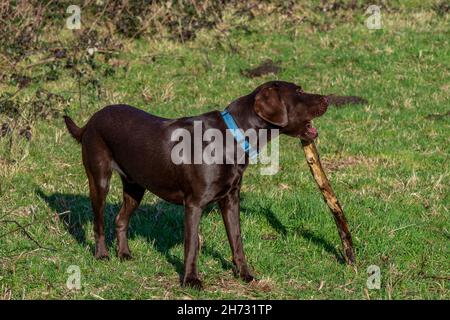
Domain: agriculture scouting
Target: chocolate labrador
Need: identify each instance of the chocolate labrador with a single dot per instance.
(138, 146)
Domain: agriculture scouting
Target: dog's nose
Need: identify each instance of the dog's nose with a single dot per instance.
(326, 101)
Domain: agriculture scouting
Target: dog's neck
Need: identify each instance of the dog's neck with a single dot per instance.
(245, 116)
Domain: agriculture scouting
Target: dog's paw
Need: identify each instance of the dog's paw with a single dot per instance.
(124, 256)
(195, 283)
(101, 253)
(349, 256)
(101, 256)
(247, 277)
(243, 273)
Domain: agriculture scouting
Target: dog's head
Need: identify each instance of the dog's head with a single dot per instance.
(287, 106)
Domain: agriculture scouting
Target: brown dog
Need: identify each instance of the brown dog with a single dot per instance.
(138, 146)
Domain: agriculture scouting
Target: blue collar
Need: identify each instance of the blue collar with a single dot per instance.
(238, 135)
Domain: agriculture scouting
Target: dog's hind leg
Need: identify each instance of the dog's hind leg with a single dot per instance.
(132, 196)
(97, 162)
(192, 215)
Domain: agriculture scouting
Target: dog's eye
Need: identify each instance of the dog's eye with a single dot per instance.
(299, 90)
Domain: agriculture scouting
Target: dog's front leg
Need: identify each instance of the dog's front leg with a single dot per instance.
(192, 217)
(230, 208)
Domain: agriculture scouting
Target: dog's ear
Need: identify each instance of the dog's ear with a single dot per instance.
(269, 106)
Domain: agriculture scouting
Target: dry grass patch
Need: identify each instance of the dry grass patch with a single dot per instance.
(338, 164)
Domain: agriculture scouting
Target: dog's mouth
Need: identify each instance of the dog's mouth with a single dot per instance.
(310, 132)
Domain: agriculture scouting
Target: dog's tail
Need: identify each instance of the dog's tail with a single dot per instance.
(74, 130)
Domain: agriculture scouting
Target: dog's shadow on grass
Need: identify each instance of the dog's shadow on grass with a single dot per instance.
(281, 229)
(160, 223)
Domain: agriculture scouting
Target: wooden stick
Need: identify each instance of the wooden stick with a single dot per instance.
(312, 157)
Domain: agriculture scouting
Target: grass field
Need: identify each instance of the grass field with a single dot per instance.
(388, 162)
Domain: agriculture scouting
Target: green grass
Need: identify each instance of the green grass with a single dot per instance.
(395, 195)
